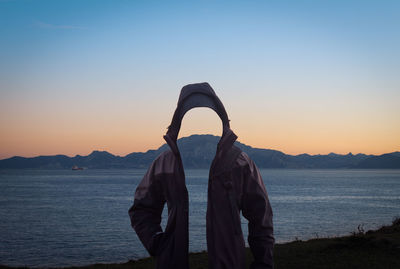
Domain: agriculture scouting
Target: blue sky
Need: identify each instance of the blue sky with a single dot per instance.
(283, 62)
(208, 35)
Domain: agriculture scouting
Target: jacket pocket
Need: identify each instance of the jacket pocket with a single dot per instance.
(155, 243)
(165, 254)
(162, 244)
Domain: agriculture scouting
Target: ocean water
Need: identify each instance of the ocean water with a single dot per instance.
(55, 218)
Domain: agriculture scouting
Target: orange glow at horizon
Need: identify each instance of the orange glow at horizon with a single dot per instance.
(123, 135)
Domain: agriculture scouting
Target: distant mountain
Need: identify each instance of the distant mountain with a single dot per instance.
(389, 161)
(97, 159)
(198, 151)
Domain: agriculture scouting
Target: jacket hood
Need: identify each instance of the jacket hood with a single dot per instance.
(198, 95)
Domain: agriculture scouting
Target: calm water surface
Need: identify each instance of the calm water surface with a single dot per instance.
(63, 218)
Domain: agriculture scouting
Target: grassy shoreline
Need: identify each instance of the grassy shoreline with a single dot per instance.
(372, 249)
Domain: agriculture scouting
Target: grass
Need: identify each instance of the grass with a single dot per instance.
(364, 250)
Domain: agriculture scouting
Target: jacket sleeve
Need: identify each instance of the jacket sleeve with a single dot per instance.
(257, 210)
(145, 213)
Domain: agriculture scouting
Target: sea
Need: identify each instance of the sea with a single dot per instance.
(58, 218)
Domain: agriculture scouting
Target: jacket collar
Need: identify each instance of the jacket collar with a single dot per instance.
(226, 141)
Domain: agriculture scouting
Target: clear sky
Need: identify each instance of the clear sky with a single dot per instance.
(296, 76)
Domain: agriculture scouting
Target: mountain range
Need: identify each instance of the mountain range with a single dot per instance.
(197, 151)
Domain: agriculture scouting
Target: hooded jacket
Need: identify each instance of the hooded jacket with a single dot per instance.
(235, 185)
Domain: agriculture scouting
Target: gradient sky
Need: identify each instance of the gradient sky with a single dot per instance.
(296, 76)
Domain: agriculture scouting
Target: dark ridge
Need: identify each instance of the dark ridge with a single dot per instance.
(198, 151)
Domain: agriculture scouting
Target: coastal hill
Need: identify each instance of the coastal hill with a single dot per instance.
(198, 151)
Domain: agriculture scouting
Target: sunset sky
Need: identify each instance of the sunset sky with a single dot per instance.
(297, 76)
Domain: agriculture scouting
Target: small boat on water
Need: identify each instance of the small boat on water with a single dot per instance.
(75, 167)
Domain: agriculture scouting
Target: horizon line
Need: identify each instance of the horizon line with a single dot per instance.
(97, 150)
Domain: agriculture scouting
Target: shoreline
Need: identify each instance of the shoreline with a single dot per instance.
(378, 248)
